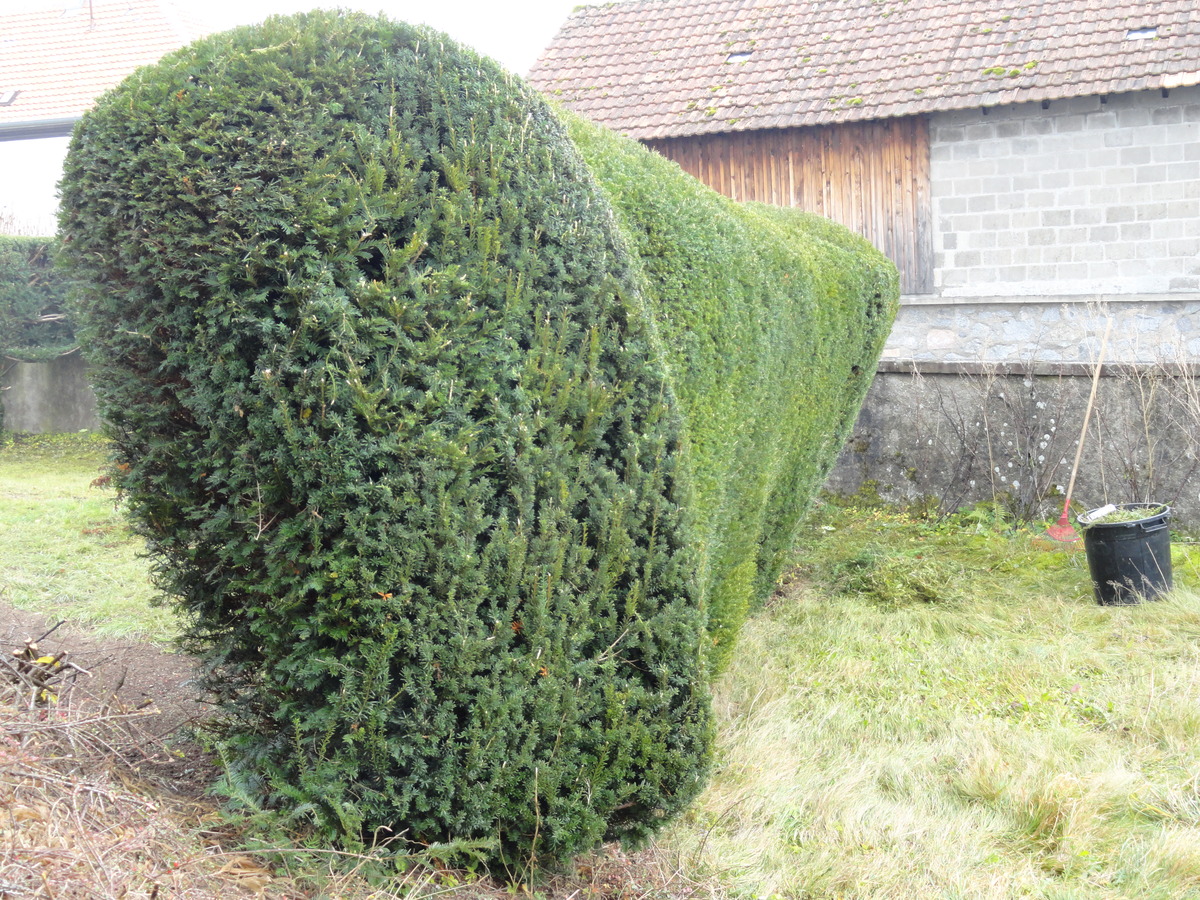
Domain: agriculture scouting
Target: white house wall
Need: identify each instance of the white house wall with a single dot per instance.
(1045, 220)
(29, 175)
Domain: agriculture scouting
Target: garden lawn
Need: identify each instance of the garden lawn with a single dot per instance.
(66, 550)
(944, 712)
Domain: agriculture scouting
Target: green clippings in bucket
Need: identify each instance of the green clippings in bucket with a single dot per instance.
(1128, 512)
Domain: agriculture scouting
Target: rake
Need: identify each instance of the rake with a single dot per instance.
(1062, 530)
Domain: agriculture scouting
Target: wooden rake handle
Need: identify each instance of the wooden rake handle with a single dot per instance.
(1087, 416)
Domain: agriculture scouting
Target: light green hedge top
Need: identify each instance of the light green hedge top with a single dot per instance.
(772, 321)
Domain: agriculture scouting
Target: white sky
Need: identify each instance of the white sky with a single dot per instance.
(512, 32)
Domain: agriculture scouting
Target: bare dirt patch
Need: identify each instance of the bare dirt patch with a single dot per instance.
(139, 674)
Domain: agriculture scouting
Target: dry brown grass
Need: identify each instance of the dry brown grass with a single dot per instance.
(84, 807)
(94, 807)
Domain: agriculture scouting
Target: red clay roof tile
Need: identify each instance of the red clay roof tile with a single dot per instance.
(60, 58)
(821, 61)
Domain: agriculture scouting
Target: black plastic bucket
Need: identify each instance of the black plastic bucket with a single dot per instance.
(1128, 561)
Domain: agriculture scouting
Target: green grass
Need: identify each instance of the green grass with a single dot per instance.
(67, 552)
(923, 711)
(944, 712)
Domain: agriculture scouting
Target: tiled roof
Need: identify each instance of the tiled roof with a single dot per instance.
(668, 68)
(59, 57)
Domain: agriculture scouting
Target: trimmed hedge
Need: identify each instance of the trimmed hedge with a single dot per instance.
(388, 412)
(772, 321)
(33, 300)
(396, 382)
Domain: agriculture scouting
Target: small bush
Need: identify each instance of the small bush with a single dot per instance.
(34, 325)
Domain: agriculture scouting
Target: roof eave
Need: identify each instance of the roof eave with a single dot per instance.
(37, 128)
(867, 113)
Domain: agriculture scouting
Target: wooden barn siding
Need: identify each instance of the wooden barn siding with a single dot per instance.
(872, 177)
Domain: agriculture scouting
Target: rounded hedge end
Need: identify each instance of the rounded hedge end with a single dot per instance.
(391, 418)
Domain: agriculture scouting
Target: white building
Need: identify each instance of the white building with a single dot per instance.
(56, 58)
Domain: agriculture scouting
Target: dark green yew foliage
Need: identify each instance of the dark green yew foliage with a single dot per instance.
(772, 322)
(395, 426)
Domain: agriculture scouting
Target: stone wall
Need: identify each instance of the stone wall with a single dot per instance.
(945, 440)
(47, 397)
(1147, 328)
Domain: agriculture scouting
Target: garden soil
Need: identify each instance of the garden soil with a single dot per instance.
(138, 675)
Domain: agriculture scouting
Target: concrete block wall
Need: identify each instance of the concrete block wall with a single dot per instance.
(1048, 220)
(1085, 197)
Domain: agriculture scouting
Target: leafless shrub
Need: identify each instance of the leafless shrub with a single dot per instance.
(978, 434)
(1007, 434)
